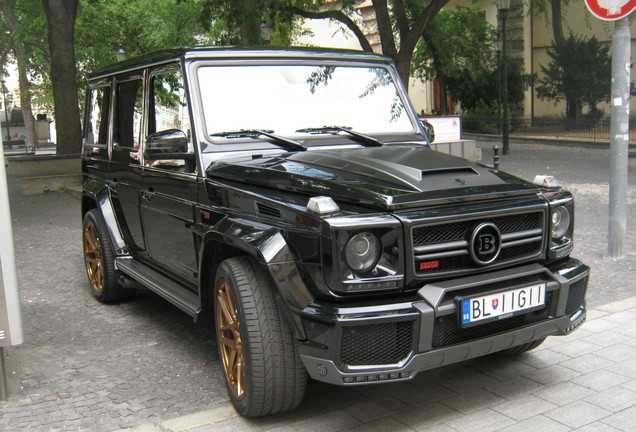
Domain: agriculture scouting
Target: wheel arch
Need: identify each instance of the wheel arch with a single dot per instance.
(269, 249)
(96, 195)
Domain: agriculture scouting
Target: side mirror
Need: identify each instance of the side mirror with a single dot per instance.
(167, 144)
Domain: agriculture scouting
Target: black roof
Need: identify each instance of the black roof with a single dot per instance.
(167, 55)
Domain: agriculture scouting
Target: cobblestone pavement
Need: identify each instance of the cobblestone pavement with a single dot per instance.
(145, 364)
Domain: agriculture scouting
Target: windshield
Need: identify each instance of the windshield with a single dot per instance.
(286, 98)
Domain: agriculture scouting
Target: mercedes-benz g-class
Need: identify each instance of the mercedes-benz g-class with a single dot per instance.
(292, 195)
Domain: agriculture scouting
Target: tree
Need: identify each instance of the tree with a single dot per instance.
(456, 47)
(136, 26)
(61, 15)
(18, 32)
(577, 73)
(409, 18)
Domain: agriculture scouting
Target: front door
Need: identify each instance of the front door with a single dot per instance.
(170, 187)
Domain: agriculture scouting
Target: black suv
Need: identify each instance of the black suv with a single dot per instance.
(293, 192)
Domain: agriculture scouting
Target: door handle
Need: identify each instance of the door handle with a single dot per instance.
(148, 194)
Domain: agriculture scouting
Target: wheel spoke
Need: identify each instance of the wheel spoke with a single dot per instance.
(229, 336)
(93, 256)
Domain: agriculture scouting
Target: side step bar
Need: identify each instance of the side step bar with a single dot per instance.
(176, 294)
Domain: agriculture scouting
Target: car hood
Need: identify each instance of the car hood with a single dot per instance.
(389, 177)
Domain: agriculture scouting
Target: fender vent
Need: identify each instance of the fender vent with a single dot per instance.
(266, 210)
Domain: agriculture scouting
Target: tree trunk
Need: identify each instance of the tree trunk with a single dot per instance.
(249, 23)
(409, 35)
(60, 15)
(25, 86)
(25, 99)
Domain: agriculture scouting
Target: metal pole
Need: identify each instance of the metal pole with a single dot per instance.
(619, 137)
(506, 123)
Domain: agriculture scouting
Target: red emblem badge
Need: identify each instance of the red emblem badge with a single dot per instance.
(495, 303)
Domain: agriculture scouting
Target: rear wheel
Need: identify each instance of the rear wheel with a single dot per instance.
(99, 259)
(522, 348)
(263, 371)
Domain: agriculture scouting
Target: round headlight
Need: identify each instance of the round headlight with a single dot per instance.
(560, 222)
(362, 251)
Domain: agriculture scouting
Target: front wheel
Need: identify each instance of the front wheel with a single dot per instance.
(263, 371)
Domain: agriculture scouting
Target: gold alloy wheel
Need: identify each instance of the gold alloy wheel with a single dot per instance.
(229, 334)
(93, 257)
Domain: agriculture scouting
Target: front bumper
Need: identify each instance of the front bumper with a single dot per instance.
(384, 343)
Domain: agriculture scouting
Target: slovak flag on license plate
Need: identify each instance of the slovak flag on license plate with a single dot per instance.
(495, 304)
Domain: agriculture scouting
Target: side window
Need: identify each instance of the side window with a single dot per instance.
(96, 133)
(168, 110)
(128, 109)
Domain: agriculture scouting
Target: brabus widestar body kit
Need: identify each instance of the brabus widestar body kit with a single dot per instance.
(292, 195)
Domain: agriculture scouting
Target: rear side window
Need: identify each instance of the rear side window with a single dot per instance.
(129, 103)
(97, 126)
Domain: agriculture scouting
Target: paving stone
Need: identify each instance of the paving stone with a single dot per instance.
(524, 407)
(422, 394)
(564, 393)
(543, 358)
(377, 409)
(597, 427)
(515, 387)
(473, 401)
(537, 424)
(333, 421)
(428, 416)
(614, 399)
(587, 363)
(383, 425)
(577, 414)
(484, 421)
(624, 420)
(552, 375)
(600, 380)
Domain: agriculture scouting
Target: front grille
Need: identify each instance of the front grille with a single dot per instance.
(375, 344)
(448, 331)
(576, 296)
(440, 248)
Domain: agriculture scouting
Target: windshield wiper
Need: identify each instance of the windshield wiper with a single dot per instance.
(255, 133)
(363, 139)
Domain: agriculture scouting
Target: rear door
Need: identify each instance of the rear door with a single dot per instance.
(125, 167)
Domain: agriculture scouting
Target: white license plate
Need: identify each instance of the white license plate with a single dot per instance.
(500, 305)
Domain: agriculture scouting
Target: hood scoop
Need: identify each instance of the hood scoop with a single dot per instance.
(458, 171)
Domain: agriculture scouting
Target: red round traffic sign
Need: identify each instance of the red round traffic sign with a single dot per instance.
(610, 10)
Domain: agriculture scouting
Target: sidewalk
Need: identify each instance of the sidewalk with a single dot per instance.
(583, 382)
(143, 364)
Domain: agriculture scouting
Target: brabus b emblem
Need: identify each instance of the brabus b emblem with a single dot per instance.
(485, 243)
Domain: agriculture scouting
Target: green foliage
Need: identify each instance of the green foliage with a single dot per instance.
(578, 72)
(137, 26)
(458, 50)
(482, 89)
(459, 41)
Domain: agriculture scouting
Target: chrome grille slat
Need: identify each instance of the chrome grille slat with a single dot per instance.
(443, 247)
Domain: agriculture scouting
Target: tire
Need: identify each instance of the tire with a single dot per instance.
(263, 371)
(522, 348)
(99, 259)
